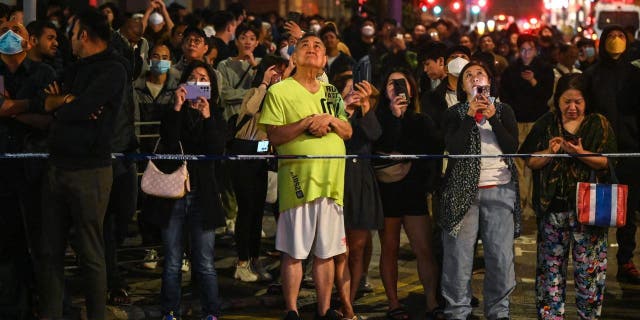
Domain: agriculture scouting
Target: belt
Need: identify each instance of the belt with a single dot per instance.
(488, 187)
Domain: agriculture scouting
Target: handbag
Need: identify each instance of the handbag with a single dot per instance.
(394, 171)
(166, 185)
(601, 204)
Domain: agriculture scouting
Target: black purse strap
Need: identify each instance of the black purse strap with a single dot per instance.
(612, 174)
(242, 77)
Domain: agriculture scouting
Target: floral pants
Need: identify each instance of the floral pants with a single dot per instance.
(557, 233)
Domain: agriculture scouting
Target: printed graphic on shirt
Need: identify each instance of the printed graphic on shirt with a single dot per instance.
(304, 180)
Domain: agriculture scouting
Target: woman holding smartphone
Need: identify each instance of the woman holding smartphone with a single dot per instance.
(191, 126)
(249, 177)
(404, 186)
(479, 196)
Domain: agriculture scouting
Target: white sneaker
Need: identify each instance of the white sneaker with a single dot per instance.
(258, 268)
(244, 272)
(186, 266)
(150, 259)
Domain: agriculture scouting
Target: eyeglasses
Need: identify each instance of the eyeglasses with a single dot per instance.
(194, 40)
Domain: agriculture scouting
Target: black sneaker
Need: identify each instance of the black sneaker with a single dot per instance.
(330, 315)
(291, 315)
(628, 273)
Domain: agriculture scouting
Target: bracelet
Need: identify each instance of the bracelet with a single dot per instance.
(64, 100)
(265, 84)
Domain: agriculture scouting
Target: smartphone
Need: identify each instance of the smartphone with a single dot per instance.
(1, 85)
(361, 73)
(194, 91)
(482, 90)
(263, 146)
(294, 16)
(400, 87)
(571, 138)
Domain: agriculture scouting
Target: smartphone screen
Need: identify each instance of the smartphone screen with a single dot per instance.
(263, 146)
(1, 85)
(400, 87)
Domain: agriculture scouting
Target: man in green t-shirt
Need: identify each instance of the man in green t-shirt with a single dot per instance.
(304, 116)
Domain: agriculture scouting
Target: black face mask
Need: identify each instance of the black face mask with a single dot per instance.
(546, 39)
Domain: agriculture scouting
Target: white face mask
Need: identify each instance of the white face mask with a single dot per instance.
(368, 31)
(315, 28)
(455, 66)
(209, 31)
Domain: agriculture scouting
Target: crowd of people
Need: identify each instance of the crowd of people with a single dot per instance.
(75, 84)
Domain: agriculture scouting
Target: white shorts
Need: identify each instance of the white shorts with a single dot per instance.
(317, 225)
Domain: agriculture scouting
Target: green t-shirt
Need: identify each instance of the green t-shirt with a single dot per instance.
(304, 180)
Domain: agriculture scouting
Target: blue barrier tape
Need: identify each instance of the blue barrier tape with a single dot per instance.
(146, 156)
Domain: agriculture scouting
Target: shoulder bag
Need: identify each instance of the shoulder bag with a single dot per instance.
(601, 204)
(166, 185)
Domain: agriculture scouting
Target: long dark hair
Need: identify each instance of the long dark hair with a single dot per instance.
(414, 99)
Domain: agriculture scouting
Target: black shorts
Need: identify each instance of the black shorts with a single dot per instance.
(406, 197)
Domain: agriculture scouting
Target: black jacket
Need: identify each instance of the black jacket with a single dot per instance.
(98, 83)
(612, 89)
(529, 103)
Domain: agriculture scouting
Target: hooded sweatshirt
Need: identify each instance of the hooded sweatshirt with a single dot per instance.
(611, 88)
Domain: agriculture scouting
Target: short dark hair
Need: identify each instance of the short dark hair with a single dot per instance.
(244, 28)
(567, 82)
(329, 27)
(36, 28)
(433, 51)
(95, 24)
(459, 48)
(191, 30)
(586, 42)
(527, 38)
(4, 11)
(237, 9)
(176, 26)
(221, 19)
(565, 47)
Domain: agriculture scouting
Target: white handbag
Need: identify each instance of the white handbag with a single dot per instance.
(166, 185)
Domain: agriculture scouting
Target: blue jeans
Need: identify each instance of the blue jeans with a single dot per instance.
(490, 216)
(188, 211)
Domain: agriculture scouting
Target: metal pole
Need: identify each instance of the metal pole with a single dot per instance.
(29, 8)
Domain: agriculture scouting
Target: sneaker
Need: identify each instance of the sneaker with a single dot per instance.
(210, 317)
(258, 268)
(150, 259)
(330, 315)
(628, 273)
(244, 272)
(169, 316)
(186, 266)
(291, 315)
(231, 226)
(365, 285)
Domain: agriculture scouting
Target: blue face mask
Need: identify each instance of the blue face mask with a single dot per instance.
(590, 51)
(160, 66)
(291, 49)
(11, 43)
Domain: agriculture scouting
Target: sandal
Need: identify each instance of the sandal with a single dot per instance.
(398, 313)
(119, 297)
(435, 314)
